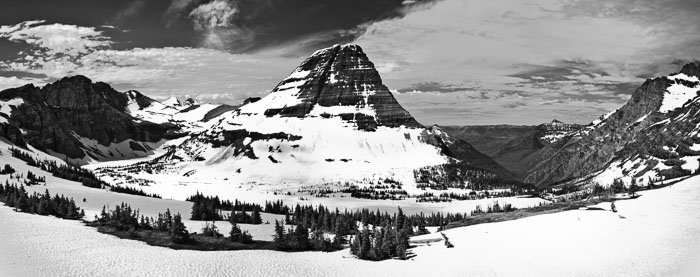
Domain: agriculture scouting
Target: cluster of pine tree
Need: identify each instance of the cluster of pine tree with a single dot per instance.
(236, 235)
(299, 239)
(495, 208)
(133, 191)
(376, 194)
(210, 208)
(33, 179)
(42, 204)
(462, 175)
(344, 223)
(277, 207)
(243, 216)
(390, 240)
(124, 218)
(210, 230)
(68, 172)
(7, 169)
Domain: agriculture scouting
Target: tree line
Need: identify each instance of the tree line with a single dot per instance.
(42, 204)
(133, 191)
(68, 171)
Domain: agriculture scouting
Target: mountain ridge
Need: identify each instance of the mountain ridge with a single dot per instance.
(604, 147)
(332, 112)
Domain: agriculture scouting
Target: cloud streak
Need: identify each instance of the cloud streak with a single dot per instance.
(56, 39)
(450, 61)
(572, 55)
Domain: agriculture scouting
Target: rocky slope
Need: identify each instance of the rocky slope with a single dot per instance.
(651, 137)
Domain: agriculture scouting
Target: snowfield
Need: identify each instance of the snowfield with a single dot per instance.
(6, 108)
(657, 234)
(678, 94)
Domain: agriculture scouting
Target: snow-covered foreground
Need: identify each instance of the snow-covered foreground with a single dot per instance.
(659, 236)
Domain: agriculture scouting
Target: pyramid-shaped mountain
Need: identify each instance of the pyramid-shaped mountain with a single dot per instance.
(330, 120)
(339, 81)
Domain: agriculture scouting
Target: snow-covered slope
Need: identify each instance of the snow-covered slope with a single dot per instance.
(683, 89)
(187, 114)
(6, 108)
(658, 236)
(331, 120)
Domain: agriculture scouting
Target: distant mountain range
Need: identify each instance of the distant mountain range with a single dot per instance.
(330, 120)
(333, 120)
(514, 147)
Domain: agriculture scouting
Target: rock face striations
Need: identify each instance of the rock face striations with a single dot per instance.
(73, 115)
(341, 82)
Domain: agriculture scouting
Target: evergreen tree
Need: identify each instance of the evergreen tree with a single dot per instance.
(401, 244)
(256, 216)
(355, 244)
(279, 234)
(178, 231)
(301, 237)
(365, 244)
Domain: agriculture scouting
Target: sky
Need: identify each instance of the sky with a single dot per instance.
(448, 62)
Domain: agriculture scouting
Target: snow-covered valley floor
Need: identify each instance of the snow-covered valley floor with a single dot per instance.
(659, 236)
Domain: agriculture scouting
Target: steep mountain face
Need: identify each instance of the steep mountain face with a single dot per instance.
(338, 82)
(79, 120)
(652, 136)
(331, 120)
(516, 148)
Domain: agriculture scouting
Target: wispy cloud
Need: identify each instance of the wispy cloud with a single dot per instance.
(198, 72)
(572, 55)
(56, 39)
(450, 61)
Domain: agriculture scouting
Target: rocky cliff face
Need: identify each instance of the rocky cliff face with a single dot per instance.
(72, 116)
(341, 82)
(613, 137)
